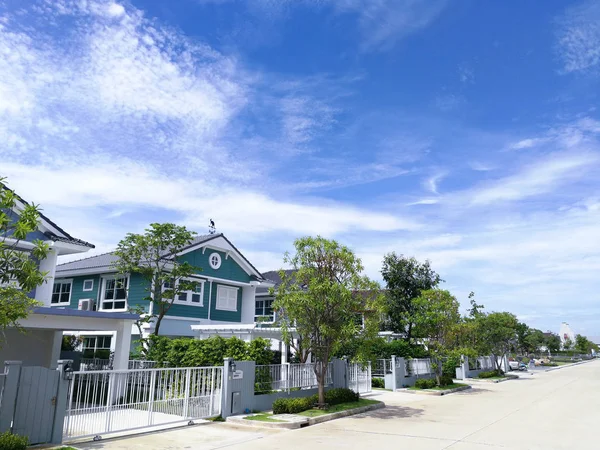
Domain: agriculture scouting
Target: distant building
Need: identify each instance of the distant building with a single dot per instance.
(566, 333)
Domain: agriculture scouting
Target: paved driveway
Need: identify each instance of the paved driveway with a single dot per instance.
(551, 410)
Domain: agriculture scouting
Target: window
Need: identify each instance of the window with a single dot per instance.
(264, 308)
(227, 298)
(96, 343)
(61, 293)
(114, 295)
(88, 285)
(193, 297)
(215, 260)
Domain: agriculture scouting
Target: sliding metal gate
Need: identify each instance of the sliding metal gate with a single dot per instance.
(359, 378)
(111, 401)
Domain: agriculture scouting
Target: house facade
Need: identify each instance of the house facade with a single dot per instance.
(225, 294)
(40, 344)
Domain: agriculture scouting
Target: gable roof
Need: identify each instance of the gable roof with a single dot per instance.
(274, 277)
(106, 260)
(50, 229)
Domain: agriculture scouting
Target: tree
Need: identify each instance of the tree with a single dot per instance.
(583, 344)
(534, 340)
(321, 299)
(405, 279)
(498, 332)
(436, 318)
(522, 333)
(552, 342)
(153, 256)
(19, 272)
(568, 344)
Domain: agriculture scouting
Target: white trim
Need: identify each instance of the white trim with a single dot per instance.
(89, 271)
(222, 288)
(102, 290)
(218, 261)
(62, 281)
(209, 297)
(91, 288)
(189, 302)
(192, 319)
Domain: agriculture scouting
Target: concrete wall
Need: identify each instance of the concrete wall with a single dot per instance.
(33, 347)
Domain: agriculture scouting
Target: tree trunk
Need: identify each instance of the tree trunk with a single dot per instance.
(321, 373)
(158, 321)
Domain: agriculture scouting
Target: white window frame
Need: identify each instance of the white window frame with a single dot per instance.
(188, 301)
(101, 299)
(221, 288)
(264, 300)
(218, 264)
(91, 288)
(62, 281)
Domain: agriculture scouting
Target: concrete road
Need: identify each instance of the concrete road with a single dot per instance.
(551, 410)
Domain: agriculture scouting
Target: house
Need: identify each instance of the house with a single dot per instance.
(40, 343)
(225, 293)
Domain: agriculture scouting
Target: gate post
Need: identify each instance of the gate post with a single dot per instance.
(62, 400)
(394, 384)
(226, 389)
(12, 369)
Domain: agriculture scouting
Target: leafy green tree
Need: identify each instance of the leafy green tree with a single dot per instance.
(552, 342)
(153, 256)
(436, 317)
(568, 344)
(534, 340)
(498, 331)
(405, 279)
(522, 333)
(322, 298)
(583, 344)
(19, 272)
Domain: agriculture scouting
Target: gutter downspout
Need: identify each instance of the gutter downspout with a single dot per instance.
(209, 299)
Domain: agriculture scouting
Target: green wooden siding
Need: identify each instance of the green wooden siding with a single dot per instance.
(225, 316)
(77, 292)
(138, 290)
(229, 270)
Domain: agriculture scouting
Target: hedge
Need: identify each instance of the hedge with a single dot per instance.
(296, 405)
(425, 383)
(9, 441)
(378, 383)
(490, 374)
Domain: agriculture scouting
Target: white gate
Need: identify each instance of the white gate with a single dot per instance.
(359, 378)
(111, 401)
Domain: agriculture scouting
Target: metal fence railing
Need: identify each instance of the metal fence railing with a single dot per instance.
(109, 401)
(418, 367)
(381, 367)
(359, 378)
(87, 364)
(282, 377)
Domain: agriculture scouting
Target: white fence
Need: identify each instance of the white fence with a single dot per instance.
(418, 366)
(282, 377)
(87, 364)
(485, 363)
(109, 401)
(381, 368)
(359, 378)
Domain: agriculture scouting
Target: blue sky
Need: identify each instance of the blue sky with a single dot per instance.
(461, 132)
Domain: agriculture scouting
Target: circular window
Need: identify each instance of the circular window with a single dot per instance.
(215, 260)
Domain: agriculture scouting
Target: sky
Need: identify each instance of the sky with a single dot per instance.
(462, 132)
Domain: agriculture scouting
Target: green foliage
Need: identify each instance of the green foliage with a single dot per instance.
(9, 441)
(378, 383)
(189, 352)
(525, 360)
(490, 374)
(426, 383)
(380, 348)
(296, 405)
(568, 344)
(436, 317)
(152, 256)
(19, 273)
(446, 380)
(552, 342)
(405, 279)
(321, 299)
(450, 365)
(70, 342)
(583, 344)
(498, 332)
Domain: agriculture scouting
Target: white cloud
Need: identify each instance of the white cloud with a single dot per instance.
(579, 37)
(528, 143)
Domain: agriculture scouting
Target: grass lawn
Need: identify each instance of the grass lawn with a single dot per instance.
(438, 388)
(338, 408)
(263, 417)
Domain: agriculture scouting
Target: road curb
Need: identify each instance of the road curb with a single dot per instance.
(569, 365)
(433, 392)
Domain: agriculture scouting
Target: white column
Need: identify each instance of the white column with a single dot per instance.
(122, 345)
(43, 293)
(284, 353)
(248, 304)
(56, 345)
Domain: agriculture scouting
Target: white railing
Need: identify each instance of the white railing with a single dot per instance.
(485, 363)
(109, 401)
(283, 377)
(418, 367)
(87, 364)
(359, 378)
(381, 367)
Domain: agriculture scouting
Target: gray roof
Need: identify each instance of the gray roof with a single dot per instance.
(106, 260)
(66, 237)
(273, 276)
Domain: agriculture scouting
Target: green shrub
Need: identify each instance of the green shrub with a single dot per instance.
(340, 395)
(450, 365)
(425, 383)
(446, 380)
(9, 441)
(489, 374)
(525, 360)
(378, 383)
